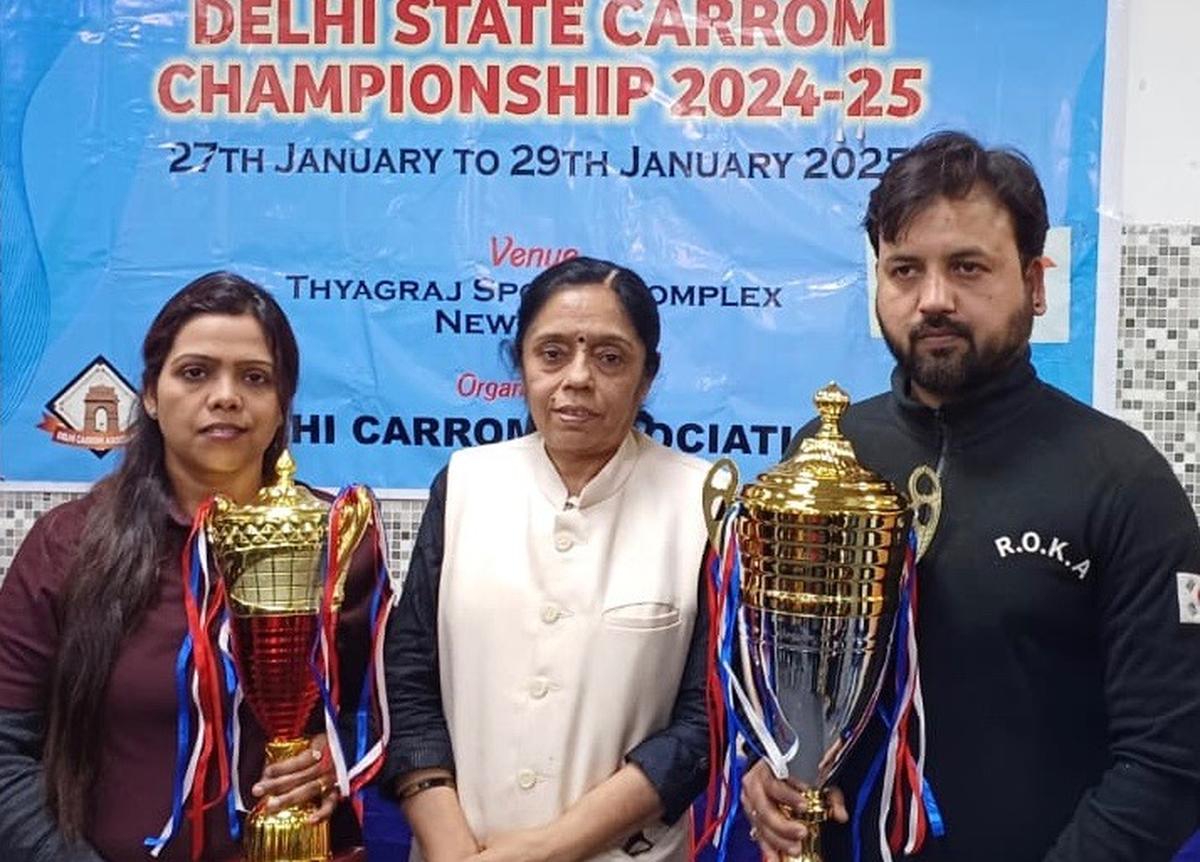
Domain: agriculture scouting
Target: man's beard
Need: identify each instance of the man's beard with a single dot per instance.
(951, 373)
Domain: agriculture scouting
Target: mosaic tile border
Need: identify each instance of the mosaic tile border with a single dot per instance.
(1158, 343)
(19, 509)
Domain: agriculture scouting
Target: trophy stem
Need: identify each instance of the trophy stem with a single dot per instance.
(286, 835)
(812, 816)
(282, 749)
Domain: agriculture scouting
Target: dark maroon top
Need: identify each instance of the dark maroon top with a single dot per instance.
(132, 797)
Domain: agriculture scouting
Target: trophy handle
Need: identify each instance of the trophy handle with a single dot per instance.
(720, 489)
(926, 505)
(355, 512)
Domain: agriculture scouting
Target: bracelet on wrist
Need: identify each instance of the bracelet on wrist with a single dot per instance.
(424, 784)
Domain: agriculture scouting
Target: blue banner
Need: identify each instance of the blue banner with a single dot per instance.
(396, 171)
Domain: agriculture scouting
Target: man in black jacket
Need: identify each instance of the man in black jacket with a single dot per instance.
(1059, 620)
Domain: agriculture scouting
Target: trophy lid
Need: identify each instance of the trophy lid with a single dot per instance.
(283, 514)
(825, 476)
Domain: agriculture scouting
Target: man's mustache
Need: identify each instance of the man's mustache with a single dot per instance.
(938, 324)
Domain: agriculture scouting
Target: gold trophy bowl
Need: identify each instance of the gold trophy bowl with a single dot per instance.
(823, 543)
(271, 555)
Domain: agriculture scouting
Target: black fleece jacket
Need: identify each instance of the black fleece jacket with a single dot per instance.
(1061, 678)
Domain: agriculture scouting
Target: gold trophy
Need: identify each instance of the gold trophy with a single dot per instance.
(272, 556)
(823, 543)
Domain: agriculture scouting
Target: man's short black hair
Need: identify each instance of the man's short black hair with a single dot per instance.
(950, 164)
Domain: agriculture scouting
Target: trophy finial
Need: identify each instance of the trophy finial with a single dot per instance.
(283, 491)
(831, 402)
(285, 468)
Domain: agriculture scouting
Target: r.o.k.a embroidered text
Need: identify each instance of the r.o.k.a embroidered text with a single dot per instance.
(1031, 542)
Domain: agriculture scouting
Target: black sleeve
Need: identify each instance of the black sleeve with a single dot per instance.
(419, 736)
(28, 832)
(1145, 805)
(676, 758)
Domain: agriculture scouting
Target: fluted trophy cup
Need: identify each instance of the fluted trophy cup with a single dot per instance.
(822, 548)
(272, 556)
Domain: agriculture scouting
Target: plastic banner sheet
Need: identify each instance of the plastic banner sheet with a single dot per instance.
(395, 172)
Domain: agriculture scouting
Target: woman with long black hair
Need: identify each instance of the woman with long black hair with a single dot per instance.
(92, 610)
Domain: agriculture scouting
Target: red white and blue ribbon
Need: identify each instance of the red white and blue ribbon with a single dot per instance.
(734, 709)
(235, 802)
(206, 680)
(908, 810)
(368, 754)
(198, 686)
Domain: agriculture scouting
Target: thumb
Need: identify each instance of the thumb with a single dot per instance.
(837, 804)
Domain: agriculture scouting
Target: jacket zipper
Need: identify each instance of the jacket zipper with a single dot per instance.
(944, 433)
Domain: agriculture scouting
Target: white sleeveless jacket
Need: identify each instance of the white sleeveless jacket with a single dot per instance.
(564, 624)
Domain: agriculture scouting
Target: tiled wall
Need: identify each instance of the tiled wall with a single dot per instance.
(1158, 347)
(19, 509)
(1158, 378)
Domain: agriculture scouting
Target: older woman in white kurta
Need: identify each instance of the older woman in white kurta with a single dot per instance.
(546, 665)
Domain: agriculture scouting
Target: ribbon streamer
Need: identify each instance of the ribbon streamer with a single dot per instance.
(908, 810)
(196, 672)
(206, 680)
(739, 707)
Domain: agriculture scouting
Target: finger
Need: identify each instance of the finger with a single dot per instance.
(310, 791)
(766, 817)
(752, 801)
(783, 793)
(754, 797)
(777, 829)
(295, 763)
(286, 783)
(776, 847)
(329, 803)
(837, 805)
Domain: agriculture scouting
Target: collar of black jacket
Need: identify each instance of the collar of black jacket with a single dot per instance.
(996, 403)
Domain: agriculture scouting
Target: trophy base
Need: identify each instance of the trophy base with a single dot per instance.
(812, 816)
(285, 836)
(354, 854)
(807, 855)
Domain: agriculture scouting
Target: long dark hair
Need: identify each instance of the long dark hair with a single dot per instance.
(114, 576)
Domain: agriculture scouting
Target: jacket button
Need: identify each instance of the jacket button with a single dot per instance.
(550, 614)
(539, 688)
(563, 542)
(526, 778)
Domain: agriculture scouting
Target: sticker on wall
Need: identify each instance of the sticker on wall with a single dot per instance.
(94, 411)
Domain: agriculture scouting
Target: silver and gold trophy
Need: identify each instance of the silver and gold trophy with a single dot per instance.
(273, 557)
(823, 542)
